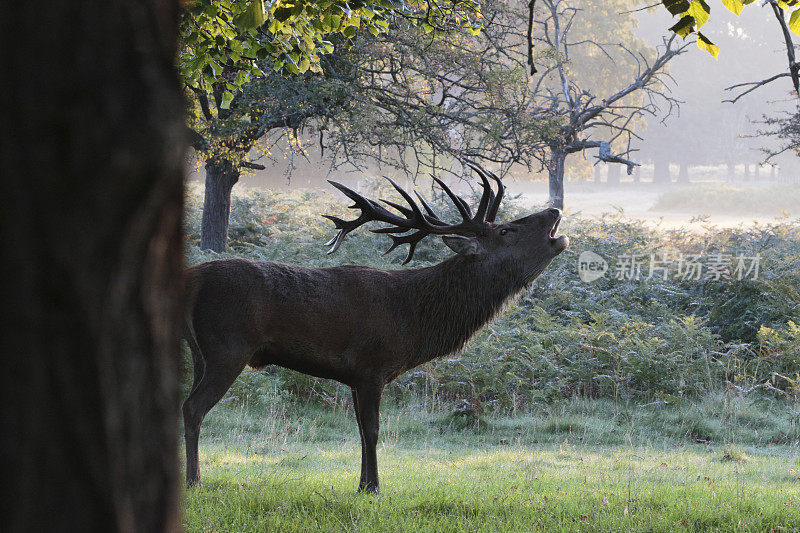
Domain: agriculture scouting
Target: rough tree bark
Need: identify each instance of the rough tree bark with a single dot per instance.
(221, 176)
(555, 170)
(92, 263)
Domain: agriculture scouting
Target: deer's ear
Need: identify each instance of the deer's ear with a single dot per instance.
(463, 245)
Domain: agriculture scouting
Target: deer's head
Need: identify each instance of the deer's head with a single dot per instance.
(528, 243)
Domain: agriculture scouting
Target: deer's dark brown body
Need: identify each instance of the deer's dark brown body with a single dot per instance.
(360, 326)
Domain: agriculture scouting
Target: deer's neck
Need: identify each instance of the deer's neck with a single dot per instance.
(451, 301)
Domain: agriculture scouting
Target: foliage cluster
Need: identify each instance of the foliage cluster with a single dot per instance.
(654, 339)
(224, 40)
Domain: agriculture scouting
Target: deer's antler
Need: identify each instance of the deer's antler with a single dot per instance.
(413, 218)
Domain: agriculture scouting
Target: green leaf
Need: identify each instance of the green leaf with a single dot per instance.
(282, 14)
(703, 43)
(683, 27)
(227, 97)
(676, 7)
(700, 11)
(794, 22)
(253, 16)
(303, 65)
(735, 6)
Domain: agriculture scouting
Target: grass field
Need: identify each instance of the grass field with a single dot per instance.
(577, 466)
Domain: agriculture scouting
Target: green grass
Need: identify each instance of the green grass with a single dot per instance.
(577, 466)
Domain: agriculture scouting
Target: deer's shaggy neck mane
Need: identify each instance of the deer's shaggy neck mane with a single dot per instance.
(449, 302)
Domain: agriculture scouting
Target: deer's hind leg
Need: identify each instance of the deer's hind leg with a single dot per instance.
(220, 370)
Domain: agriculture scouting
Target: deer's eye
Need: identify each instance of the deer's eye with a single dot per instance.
(503, 231)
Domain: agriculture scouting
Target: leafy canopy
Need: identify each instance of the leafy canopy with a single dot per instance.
(227, 42)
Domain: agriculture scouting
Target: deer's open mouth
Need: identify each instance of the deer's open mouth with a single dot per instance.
(555, 227)
(561, 242)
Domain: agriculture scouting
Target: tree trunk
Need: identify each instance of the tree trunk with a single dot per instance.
(731, 171)
(757, 172)
(556, 172)
(596, 172)
(661, 170)
(683, 173)
(221, 176)
(92, 151)
(613, 174)
(773, 172)
(746, 172)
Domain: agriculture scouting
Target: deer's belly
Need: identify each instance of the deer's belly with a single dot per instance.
(302, 357)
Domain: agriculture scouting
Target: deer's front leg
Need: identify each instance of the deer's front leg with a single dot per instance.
(368, 404)
(363, 478)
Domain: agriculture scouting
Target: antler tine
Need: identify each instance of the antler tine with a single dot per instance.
(406, 211)
(344, 227)
(412, 240)
(413, 218)
(434, 218)
(369, 211)
(460, 204)
(495, 204)
(494, 200)
(407, 197)
(486, 197)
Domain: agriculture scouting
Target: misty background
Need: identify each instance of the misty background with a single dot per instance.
(716, 153)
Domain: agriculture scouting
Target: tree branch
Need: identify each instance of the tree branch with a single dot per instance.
(531, 6)
(794, 67)
(251, 165)
(787, 38)
(755, 85)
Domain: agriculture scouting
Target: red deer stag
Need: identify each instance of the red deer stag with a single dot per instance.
(360, 326)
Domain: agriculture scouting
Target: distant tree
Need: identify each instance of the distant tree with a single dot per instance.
(92, 151)
(577, 112)
(708, 132)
